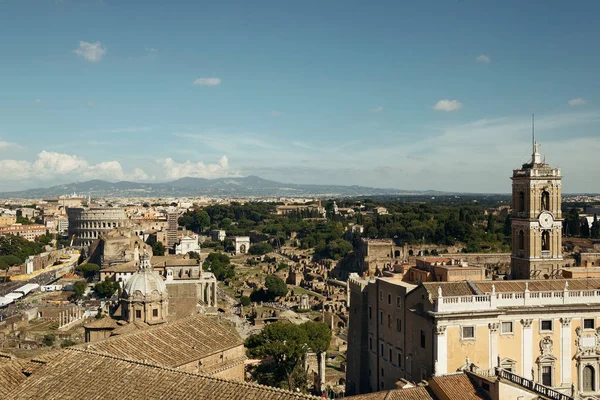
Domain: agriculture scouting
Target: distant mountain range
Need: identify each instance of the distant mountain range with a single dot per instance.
(250, 186)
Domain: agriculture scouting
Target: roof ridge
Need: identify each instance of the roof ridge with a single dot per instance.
(152, 328)
(148, 364)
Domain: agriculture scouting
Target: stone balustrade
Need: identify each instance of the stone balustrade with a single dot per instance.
(494, 300)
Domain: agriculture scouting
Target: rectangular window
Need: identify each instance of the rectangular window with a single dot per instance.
(381, 295)
(381, 349)
(547, 376)
(380, 317)
(588, 323)
(390, 359)
(547, 325)
(399, 360)
(382, 376)
(155, 312)
(468, 332)
(389, 298)
(370, 312)
(370, 343)
(398, 324)
(507, 327)
(398, 301)
(389, 320)
(422, 339)
(138, 313)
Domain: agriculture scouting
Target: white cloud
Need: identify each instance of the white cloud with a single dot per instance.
(377, 109)
(577, 102)
(275, 113)
(92, 52)
(484, 59)
(4, 145)
(448, 105)
(59, 166)
(207, 82)
(174, 170)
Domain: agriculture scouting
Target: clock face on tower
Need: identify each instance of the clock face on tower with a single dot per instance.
(546, 220)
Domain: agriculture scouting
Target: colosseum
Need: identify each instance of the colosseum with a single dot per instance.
(87, 224)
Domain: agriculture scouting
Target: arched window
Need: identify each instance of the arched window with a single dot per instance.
(545, 240)
(521, 205)
(521, 240)
(589, 384)
(545, 201)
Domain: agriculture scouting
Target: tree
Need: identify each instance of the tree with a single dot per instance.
(585, 228)
(285, 343)
(195, 220)
(48, 339)
(595, 231)
(23, 221)
(88, 270)
(245, 301)
(260, 249)
(158, 249)
(573, 223)
(491, 223)
(78, 290)
(106, 288)
(220, 265)
(276, 287)
(335, 249)
(193, 255)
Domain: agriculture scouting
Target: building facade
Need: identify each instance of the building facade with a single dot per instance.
(29, 232)
(536, 220)
(377, 255)
(172, 226)
(87, 224)
(545, 331)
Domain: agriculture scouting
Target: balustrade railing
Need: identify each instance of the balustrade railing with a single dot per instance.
(531, 385)
(493, 300)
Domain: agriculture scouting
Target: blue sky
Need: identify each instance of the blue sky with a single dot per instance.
(412, 95)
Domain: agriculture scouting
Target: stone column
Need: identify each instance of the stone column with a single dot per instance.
(214, 302)
(565, 352)
(321, 360)
(527, 348)
(440, 350)
(493, 356)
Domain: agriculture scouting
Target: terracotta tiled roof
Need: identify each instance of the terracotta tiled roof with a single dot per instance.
(11, 376)
(416, 393)
(102, 323)
(82, 375)
(537, 285)
(448, 288)
(171, 344)
(455, 387)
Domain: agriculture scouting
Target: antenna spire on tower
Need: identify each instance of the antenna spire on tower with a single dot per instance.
(533, 132)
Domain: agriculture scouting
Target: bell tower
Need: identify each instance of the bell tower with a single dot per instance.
(536, 220)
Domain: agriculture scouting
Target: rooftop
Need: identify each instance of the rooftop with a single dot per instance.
(416, 393)
(490, 295)
(172, 344)
(68, 378)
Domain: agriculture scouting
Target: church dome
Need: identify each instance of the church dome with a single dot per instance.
(146, 281)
